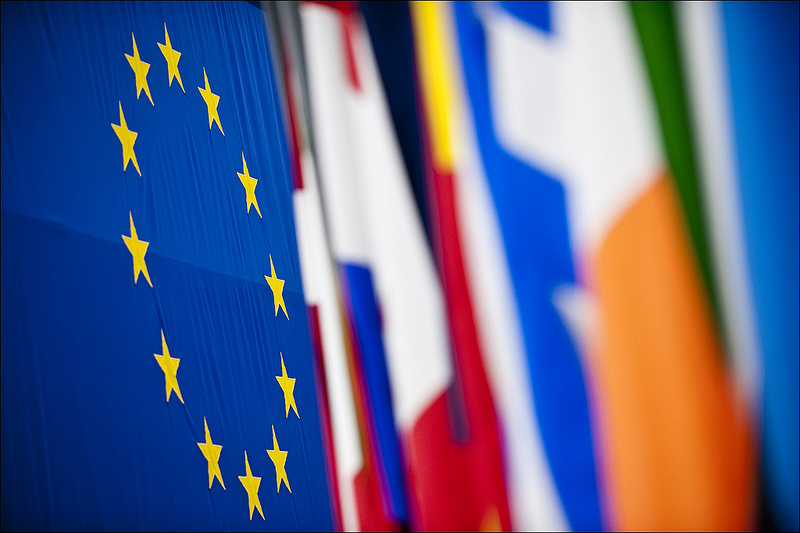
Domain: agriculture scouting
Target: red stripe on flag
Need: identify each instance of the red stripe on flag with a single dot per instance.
(348, 22)
(347, 9)
(457, 486)
(368, 500)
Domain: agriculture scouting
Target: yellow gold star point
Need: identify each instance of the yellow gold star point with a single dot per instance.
(278, 458)
(172, 57)
(212, 101)
(127, 138)
(277, 289)
(251, 484)
(140, 69)
(287, 385)
(137, 248)
(249, 183)
(170, 367)
(211, 452)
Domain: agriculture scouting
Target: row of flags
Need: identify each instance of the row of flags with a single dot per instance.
(448, 266)
(534, 229)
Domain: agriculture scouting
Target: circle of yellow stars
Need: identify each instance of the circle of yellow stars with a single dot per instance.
(138, 248)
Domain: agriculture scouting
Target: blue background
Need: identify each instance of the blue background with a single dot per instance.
(763, 59)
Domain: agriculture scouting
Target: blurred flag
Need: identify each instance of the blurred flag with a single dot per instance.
(320, 283)
(443, 470)
(677, 448)
(337, 116)
(558, 92)
(156, 368)
(392, 39)
(763, 61)
(656, 32)
(511, 219)
(743, 79)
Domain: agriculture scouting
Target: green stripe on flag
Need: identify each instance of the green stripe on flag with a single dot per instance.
(655, 24)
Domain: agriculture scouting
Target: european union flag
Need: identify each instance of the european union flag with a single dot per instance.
(156, 367)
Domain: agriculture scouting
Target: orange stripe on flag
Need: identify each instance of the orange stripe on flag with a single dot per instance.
(679, 449)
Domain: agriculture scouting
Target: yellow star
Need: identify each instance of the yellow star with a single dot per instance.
(140, 69)
(127, 138)
(212, 101)
(211, 452)
(277, 289)
(249, 183)
(251, 484)
(172, 57)
(278, 457)
(170, 367)
(287, 384)
(137, 249)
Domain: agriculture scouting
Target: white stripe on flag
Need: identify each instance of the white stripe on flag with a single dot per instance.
(319, 287)
(700, 31)
(533, 499)
(595, 126)
(371, 211)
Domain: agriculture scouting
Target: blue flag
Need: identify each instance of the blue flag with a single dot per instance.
(762, 52)
(156, 364)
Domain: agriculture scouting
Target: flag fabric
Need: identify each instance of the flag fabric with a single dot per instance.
(320, 283)
(156, 365)
(475, 425)
(677, 447)
(392, 39)
(431, 265)
(567, 96)
(510, 217)
(657, 34)
(763, 45)
(515, 271)
(329, 38)
(743, 79)
(699, 29)
(396, 309)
